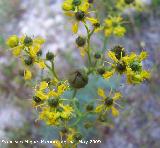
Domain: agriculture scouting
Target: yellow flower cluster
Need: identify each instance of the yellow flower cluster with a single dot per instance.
(130, 65)
(78, 11)
(113, 26)
(28, 50)
(49, 100)
(124, 4)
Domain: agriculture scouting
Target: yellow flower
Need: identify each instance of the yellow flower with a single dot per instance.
(27, 74)
(70, 4)
(143, 55)
(101, 93)
(136, 4)
(113, 26)
(41, 95)
(12, 41)
(41, 64)
(17, 50)
(108, 74)
(67, 111)
(112, 56)
(50, 117)
(43, 85)
(119, 31)
(108, 103)
(61, 89)
(78, 15)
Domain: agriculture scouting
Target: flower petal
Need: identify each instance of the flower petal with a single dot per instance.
(115, 112)
(75, 28)
(101, 93)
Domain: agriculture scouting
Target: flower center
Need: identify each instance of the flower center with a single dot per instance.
(108, 102)
(28, 41)
(53, 102)
(121, 67)
(80, 15)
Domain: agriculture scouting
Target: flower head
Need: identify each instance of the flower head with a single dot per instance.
(107, 103)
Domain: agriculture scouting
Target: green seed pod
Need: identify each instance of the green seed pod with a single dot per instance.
(39, 53)
(50, 56)
(88, 125)
(119, 52)
(77, 137)
(129, 1)
(80, 41)
(28, 60)
(53, 102)
(64, 130)
(96, 25)
(28, 41)
(78, 79)
(136, 66)
(108, 102)
(97, 55)
(80, 15)
(89, 107)
(48, 80)
(121, 67)
(101, 70)
(102, 118)
(76, 2)
(37, 99)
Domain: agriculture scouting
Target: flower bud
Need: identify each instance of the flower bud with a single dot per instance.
(77, 137)
(50, 56)
(37, 99)
(80, 41)
(101, 70)
(89, 107)
(76, 2)
(28, 60)
(53, 102)
(129, 1)
(28, 41)
(121, 67)
(13, 41)
(119, 52)
(80, 15)
(102, 118)
(97, 55)
(39, 53)
(78, 79)
(88, 125)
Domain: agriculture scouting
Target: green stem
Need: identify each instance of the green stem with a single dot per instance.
(104, 48)
(104, 45)
(89, 34)
(74, 93)
(53, 70)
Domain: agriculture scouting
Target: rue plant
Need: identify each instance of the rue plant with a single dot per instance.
(62, 112)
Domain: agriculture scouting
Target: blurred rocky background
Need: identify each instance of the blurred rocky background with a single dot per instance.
(138, 126)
